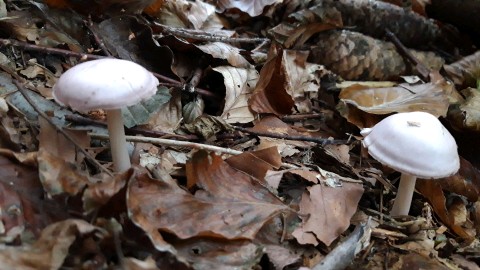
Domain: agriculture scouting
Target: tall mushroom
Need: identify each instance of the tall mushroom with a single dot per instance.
(415, 144)
(108, 84)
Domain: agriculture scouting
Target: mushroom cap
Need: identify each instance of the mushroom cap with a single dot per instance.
(104, 84)
(415, 143)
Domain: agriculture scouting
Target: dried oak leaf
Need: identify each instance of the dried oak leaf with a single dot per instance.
(22, 200)
(256, 163)
(465, 183)
(466, 116)
(228, 205)
(433, 192)
(50, 250)
(210, 253)
(252, 7)
(466, 71)
(60, 177)
(286, 80)
(427, 97)
(239, 85)
(327, 212)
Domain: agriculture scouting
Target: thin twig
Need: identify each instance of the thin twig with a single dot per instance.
(86, 56)
(98, 40)
(135, 130)
(59, 129)
(321, 141)
(421, 68)
(173, 143)
(206, 36)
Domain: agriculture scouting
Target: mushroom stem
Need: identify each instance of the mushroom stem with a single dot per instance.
(118, 143)
(402, 203)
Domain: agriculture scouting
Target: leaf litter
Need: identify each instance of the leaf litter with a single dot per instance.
(288, 185)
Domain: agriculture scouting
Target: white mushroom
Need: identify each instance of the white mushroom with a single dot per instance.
(415, 144)
(108, 84)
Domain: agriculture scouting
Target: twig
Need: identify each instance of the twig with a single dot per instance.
(300, 117)
(293, 138)
(31, 47)
(421, 68)
(173, 143)
(86, 56)
(98, 40)
(59, 129)
(206, 36)
(135, 130)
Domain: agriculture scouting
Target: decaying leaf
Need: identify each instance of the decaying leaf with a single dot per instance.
(50, 250)
(466, 116)
(207, 253)
(256, 163)
(239, 85)
(286, 78)
(426, 97)
(252, 7)
(432, 190)
(228, 205)
(327, 212)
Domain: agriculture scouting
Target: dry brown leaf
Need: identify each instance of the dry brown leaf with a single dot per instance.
(252, 7)
(466, 182)
(227, 52)
(102, 188)
(49, 251)
(433, 192)
(287, 79)
(207, 253)
(426, 97)
(256, 163)
(466, 116)
(59, 176)
(56, 144)
(23, 196)
(229, 204)
(239, 85)
(327, 212)
(188, 14)
(463, 263)
(168, 116)
(135, 264)
(417, 261)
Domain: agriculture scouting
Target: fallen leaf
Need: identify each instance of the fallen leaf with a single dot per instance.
(50, 250)
(433, 192)
(229, 204)
(239, 85)
(285, 80)
(326, 212)
(252, 7)
(228, 52)
(256, 163)
(426, 97)
(205, 253)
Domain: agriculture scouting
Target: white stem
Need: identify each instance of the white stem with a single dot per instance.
(118, 143)
(402, 203)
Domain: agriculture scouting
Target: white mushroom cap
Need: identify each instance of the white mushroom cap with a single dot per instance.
(414, 143)
(104, 84)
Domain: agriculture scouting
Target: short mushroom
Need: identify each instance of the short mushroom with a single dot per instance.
(109, 84)
(417, 145)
